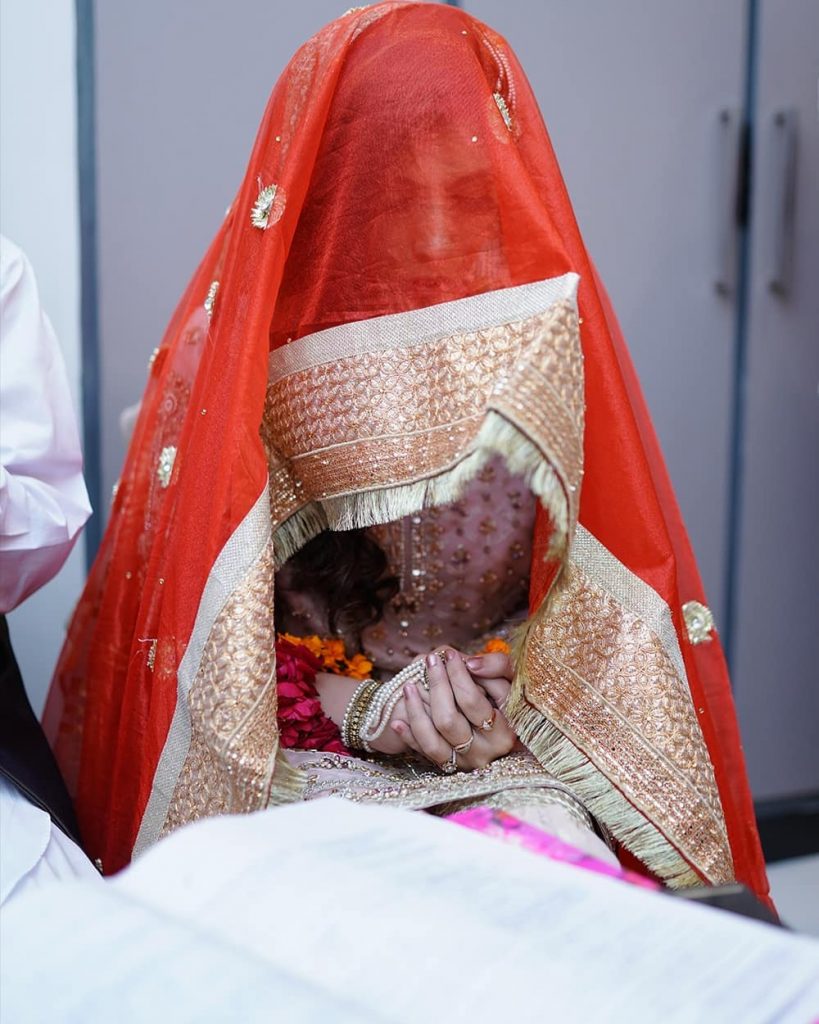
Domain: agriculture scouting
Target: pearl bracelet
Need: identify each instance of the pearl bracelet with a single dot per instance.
(380, 710)
(371, 706)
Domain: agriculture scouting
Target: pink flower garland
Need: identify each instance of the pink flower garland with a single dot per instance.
(302, 722)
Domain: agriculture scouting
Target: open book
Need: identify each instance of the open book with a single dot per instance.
(335, 912)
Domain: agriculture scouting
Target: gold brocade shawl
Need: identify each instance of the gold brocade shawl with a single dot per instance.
(371, 421)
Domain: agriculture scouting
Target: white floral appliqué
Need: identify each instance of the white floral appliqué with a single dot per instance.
(260, 215)
(699, 622)
(164, 468)
(210, 298)
(504, 110)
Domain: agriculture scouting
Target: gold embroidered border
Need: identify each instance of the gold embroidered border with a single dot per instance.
(386, 418)
(232, 704)
(411, 785)
(637, 757)
(381, 462)
(419, 326)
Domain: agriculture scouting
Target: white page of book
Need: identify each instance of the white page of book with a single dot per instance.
(86, 954)
(369, 913)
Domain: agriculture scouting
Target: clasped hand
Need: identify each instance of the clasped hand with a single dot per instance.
(460, 710)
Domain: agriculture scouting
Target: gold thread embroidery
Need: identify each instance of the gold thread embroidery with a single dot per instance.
(232, 702)
(426, 404)
(604, 679)
(411, 784)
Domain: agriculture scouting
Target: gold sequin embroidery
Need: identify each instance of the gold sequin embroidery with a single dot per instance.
(412, 784)
(232, 702)
(268, 208)
(210, 298)
(425, 405)
(603, 677)
(167, 458)
(699, 622)
(504, 110)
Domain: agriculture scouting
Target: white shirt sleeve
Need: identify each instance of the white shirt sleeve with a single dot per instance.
(34, 852)
(43, 499)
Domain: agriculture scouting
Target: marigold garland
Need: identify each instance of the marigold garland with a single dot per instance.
(333, 657)
(495, 645)
(330, 652)
(301, 718)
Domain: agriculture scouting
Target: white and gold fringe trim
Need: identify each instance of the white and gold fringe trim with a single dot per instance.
(497, 436)
(298, 530)
(288, 783)
(569, 765)
(573, 768)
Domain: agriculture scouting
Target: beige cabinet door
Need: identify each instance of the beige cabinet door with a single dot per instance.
(776, 655)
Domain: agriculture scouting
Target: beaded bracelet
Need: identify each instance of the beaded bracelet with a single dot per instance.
(380, 710)
(371, 706)
(356, 710)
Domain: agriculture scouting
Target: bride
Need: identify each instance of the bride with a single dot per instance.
(394, 523)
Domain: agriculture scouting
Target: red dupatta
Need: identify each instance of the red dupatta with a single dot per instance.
(402, 163)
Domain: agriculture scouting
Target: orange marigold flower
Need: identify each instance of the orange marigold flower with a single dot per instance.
(359, 667)
(330, 651)
(333, 651)
(496, 645)
(314, 644)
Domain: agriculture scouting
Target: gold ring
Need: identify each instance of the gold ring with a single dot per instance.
(442, 655)
(425, 679)
(451, 766)
(463, 748)
(488, 723)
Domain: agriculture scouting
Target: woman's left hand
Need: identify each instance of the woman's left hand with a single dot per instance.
(460, 713)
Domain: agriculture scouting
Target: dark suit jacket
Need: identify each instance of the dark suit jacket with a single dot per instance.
(26, 759)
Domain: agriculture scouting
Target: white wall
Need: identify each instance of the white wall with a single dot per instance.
(39, 210)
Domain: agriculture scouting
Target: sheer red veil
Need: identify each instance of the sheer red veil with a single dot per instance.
(402, 162)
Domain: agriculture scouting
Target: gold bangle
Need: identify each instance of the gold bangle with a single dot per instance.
(356, 712)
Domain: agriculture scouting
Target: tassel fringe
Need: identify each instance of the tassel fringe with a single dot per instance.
(298, 530)
(569, 765)
(287, 784)
(497, 436)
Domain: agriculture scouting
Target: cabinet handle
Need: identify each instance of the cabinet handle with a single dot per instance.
(727, 198)
(783, 194)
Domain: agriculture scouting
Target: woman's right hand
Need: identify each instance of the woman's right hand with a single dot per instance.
(460, 711)
(493, 673)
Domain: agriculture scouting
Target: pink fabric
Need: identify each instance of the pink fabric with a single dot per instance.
(510, 829)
